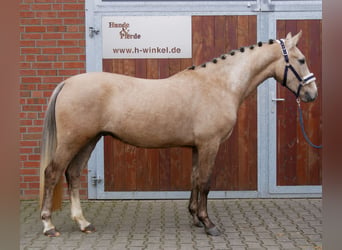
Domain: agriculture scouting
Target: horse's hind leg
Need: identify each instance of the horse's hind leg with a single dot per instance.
(53, 172)
(72, 175)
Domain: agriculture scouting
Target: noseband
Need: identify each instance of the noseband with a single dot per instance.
(302, 81)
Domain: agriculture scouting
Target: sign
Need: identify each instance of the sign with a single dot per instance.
(146, 37)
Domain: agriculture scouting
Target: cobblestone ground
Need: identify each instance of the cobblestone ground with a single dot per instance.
(244, 223)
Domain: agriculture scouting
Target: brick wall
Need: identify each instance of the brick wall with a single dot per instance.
(52, 48)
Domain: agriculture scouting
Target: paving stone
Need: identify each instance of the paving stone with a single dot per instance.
(244, 223)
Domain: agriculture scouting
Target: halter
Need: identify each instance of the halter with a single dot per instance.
(302, 81)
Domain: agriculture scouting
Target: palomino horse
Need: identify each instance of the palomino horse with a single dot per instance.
(194, 108)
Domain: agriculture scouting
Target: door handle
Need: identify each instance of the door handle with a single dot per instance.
(274, 101)
(278, 99)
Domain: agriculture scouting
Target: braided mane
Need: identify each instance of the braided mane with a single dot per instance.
(232, 53)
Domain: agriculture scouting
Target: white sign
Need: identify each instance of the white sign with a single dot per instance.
(146, 37)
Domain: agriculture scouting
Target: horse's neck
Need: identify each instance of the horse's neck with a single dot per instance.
(246, 70)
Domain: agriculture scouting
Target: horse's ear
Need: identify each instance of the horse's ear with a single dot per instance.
(297, 37)
(289, 36)
(293, 41)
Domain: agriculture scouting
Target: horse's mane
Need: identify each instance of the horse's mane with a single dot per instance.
(232, 53)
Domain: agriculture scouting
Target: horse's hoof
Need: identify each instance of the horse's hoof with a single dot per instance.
(89, 229)
(198, 224)
(213, 231)
(52, 233)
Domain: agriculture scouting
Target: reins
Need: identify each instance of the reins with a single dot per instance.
(301, 122)
(302, 82)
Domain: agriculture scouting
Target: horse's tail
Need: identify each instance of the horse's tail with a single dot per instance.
(49, 143)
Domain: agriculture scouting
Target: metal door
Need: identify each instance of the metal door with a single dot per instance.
(254, 162)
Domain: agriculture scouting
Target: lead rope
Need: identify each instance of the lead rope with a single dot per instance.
(301, 122)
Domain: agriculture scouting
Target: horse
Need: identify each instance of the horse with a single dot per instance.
(194, 108)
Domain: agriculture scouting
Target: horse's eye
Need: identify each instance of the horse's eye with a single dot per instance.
(301, 61)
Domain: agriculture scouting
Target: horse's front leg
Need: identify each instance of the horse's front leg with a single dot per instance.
(193, 202)
(207, 155)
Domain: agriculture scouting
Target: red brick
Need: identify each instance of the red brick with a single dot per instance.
(57, 6)
(73, 21)
(47, 86)
(46, 43)
(31, 108)
(29, 86)
(51, 79)
(53, 36)
(64, 14)
(72, 28)
(41, 65)
(46, 14)
(32, 136)
(38, 122)
(30, 80)
(30, 58)
(69, 43)
(77, 36)
(41, 7)
(74, 65)
(58, 65)
(25, 122)
(47, 58)
(25, 150)
(29, 171)
(35, 29)
(53, 21)
(34, 185)
(36, 101)
(56, 28)
(30, 50)
(33, 36)
(47, 94)
(35, 130)
(69, 72)
(45, 72)
(31, 115)
(43, 1)
(52, 51)
(31, 178)
(29, 144)
(82, 43)
(75, 50)
(68, 57)
(27, 72)
(27, 43)
(34, 157)
(73, 6)
(27, 14)
(31, 193)
(31, 21)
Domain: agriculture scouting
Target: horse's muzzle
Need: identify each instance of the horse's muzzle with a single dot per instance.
(309, 97)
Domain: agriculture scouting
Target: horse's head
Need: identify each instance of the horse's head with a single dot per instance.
(292, 70)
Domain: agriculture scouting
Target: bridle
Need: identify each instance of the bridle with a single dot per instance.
(302, 81)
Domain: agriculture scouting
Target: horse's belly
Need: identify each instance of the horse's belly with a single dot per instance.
(154, 139)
